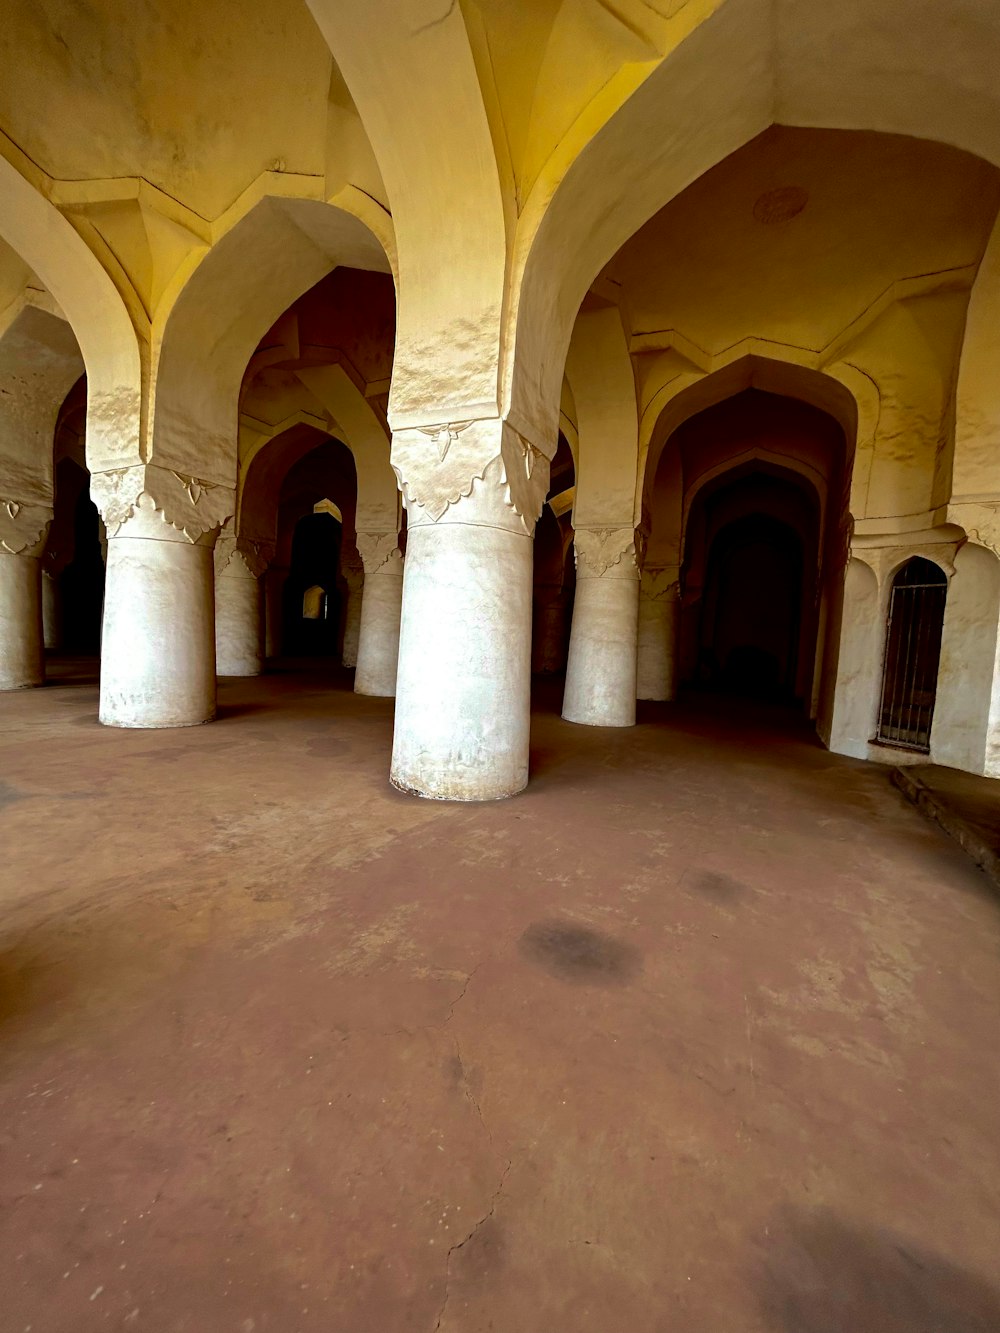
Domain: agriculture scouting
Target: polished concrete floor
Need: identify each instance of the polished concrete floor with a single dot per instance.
(698, 1034)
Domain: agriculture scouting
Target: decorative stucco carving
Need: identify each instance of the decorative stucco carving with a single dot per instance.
(380, 553)
(439, 465)
(24, 526)
(241, 557)
(606, 551)
(189, 505)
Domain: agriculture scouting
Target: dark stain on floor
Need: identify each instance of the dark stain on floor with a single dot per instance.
(580, 954)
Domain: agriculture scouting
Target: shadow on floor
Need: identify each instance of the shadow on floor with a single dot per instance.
(824, 1274)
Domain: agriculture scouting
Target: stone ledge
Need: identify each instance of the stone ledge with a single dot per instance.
(966, 807)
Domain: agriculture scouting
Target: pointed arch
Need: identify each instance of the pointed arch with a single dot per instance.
(202, 343)
(85, 293)
(747, 65)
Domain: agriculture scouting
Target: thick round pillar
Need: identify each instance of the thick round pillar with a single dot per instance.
(354, 583)
(238, 620)
(51, 611)
(381, 603)
(158, 646)
(548, 640)
(601, 670)
(274, 588)
(656, 676)
(22, 660)
(463, 688)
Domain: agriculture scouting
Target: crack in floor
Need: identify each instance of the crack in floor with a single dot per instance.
(460, 1244)
(469, 1094)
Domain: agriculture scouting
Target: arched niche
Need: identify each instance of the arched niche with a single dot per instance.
(911, 654)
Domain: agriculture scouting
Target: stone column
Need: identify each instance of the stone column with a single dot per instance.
(378, 642)
(239, 623)
(473, 491)
(23, 530)
(548, 642)
(601, 671)
(659, 607)
(353, 572)
(274, 609)
(51, 611)
(158, 647)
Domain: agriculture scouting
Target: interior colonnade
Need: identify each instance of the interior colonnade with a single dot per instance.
(714, 316)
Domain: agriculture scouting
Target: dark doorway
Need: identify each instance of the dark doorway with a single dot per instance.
(749, 612)
(912, 655)
(751, 609)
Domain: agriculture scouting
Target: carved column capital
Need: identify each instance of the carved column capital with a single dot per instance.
(380, 553)
(24, 526)
(240, 557)
(156, 502)
(484, 466)
(606, 553)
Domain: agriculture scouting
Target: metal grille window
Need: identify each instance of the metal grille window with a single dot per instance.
(912, 654)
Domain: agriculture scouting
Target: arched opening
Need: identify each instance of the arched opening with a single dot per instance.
(312, 600)
(914, 622)
(747, 504)
(313, 577)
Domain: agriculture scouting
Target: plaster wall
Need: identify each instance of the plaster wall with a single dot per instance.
(966, 727)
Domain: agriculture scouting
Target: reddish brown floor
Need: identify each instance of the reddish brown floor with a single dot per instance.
(699, 1034)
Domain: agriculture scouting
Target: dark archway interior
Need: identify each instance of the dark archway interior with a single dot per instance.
(316, 545)
(313, 549)
(76, 533)
(751, 610)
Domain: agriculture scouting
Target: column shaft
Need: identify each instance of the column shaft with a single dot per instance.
(464, 680)
(158, 647)
(51, 611)
(601, 670)
(22, 661)
(656, 676)
(473, 492)
(238, 622)
(274, 587)
(355, 580)
(378, 643)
